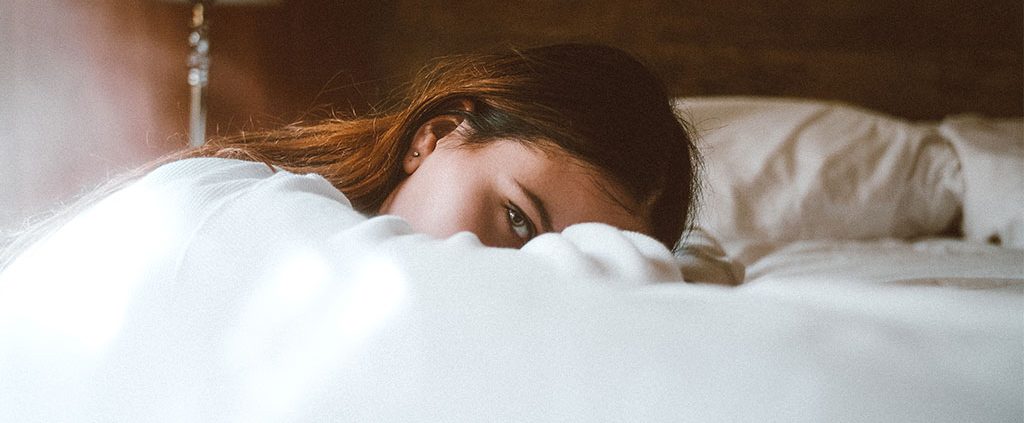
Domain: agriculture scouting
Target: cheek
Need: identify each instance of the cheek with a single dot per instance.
(435, 208)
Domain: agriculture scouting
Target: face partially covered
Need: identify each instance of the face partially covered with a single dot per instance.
(503, 191)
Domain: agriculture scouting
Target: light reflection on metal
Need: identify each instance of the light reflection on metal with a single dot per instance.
(198, 72)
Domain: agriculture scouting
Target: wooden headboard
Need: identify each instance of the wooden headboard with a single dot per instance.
(918, 59)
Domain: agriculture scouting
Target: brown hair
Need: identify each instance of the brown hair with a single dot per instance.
(597, 103)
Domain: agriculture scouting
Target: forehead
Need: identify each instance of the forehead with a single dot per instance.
(571, 190)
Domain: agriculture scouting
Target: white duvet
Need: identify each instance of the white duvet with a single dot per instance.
(242, 303)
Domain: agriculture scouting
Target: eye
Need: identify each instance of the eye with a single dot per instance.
(520, 224)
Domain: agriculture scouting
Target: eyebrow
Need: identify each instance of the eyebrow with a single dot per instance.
(538, 204)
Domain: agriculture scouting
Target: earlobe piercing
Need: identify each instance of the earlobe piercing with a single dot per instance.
(415, 153)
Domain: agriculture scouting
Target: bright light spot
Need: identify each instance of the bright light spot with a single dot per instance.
(378, 290)
(298, 278)
(340, 311)
(78, 283)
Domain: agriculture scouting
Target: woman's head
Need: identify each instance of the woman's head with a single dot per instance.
(592, 108)
(587, 129)
(504, 190)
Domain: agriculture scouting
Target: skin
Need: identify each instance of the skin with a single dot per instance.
(494, 190)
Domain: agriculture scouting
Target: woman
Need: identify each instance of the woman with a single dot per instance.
(252, 289)
(506, 147)
(594, 112)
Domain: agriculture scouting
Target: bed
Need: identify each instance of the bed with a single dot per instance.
(856, 213)
(846, 266)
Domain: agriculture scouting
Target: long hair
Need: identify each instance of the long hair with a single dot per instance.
(596, 103)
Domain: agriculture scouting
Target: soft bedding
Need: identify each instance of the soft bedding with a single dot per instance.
(991, 152)
(856, 303)
(832, 191)
(792, 169)
(957, 262)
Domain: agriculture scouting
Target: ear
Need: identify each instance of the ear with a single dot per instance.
(425, 140)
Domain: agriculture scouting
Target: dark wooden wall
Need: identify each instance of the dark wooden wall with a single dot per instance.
(273, 65)
(919, 59)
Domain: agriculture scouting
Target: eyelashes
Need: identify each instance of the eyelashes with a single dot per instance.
(520, 223)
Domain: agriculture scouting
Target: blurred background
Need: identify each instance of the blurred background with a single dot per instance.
(89, 89)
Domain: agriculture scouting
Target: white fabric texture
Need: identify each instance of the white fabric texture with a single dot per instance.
(786, 169)
(214, 290)
(992, 153)
(883, 261)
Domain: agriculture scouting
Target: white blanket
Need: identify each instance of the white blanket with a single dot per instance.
(241, 296)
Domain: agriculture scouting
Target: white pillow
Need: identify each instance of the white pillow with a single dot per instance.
(786, 169)
(992, 155)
